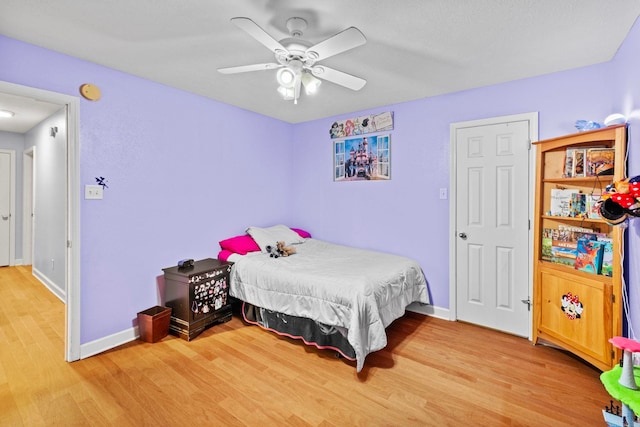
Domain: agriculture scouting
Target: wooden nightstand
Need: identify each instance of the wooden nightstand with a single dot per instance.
(198, 296)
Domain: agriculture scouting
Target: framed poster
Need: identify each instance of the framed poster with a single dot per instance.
(366, 158)
(362, 125)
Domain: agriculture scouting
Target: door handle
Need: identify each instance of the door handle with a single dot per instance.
(463, 236)
(5, 217)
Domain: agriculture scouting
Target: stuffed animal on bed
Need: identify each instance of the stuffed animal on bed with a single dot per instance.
(285, 250)
(280, 250)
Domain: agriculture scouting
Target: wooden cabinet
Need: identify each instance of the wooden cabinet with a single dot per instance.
(198, 296)
(575, 309)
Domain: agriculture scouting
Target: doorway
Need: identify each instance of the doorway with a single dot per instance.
(490, 239)
(72, 214)
(7, 207)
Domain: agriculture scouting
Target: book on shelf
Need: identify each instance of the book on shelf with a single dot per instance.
(578, 164)
(568, 163)
(547, 244)
(561, 201)
(600, 161)
(578, 228)
(592, 206)
(583, 248)
(606, 268)
(589, 254)
(578, 205)
(560, 245)
(564, 255)
(574, 204)
(564, 245)
(576, 161)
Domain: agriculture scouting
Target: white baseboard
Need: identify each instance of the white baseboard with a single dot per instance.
(429, 310)
(107, 343)
(18, 262)
(55, 289)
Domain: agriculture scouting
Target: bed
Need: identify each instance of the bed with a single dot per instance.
(328, 295)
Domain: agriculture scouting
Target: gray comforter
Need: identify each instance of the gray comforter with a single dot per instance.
(359, 290)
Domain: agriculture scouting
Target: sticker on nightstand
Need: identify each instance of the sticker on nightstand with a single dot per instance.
(572, 306)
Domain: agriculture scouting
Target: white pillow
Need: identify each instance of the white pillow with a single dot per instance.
(271, 235)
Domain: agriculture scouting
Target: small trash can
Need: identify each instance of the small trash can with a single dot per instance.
(153, 323)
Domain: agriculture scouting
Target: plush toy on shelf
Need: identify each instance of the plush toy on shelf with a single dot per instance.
(621, 200)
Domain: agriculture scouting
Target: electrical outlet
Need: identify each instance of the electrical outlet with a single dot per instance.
(93, 192)
(443, 193)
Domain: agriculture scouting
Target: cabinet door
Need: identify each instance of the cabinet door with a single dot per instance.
(576, 310)
(209, 293)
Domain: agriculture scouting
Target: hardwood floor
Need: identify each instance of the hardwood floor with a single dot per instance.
(433, 372)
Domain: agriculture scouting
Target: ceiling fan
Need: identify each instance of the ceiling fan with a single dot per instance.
(297, 59)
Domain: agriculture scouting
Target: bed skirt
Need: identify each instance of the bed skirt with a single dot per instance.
(324, 337)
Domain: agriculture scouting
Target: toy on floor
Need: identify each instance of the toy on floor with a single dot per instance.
(622, 386)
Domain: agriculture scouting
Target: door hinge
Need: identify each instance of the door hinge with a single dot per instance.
(613, 298)
(528, 144)
(613, 354)
(528, 302)
(68, 243)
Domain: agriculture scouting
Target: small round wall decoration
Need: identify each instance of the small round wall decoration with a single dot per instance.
(90, 92)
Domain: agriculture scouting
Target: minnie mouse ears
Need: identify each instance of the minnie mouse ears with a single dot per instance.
(621, 200)
(612, 212)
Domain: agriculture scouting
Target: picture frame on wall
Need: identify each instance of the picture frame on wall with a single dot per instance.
(371, 123)
(365, 158)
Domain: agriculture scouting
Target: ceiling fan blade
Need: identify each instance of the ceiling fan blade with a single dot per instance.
(258, 33)
(246, 68)
(341, 42)
(338, 77)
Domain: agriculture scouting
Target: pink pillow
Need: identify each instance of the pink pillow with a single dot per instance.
(302, 233)
(240, 244)
(224, 255)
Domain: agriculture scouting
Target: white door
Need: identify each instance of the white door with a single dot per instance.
(492, 225)
(5, 208)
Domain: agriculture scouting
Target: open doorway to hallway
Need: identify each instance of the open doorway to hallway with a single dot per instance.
(60, 225)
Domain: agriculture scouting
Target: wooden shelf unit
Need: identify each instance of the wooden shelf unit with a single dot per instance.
(601, 296)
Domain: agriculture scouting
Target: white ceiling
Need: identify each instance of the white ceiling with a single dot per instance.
(415, 48)
(28, 112)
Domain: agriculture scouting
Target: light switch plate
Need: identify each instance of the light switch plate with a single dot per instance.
(93, 192)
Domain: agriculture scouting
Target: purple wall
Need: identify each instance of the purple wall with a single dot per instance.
(183, 173)
(405, 215)
(626, 86)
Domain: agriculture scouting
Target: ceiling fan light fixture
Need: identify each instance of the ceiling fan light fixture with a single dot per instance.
(311, 84)
(6, 113)
(286, 77)
(288, 93)
(296, 58)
